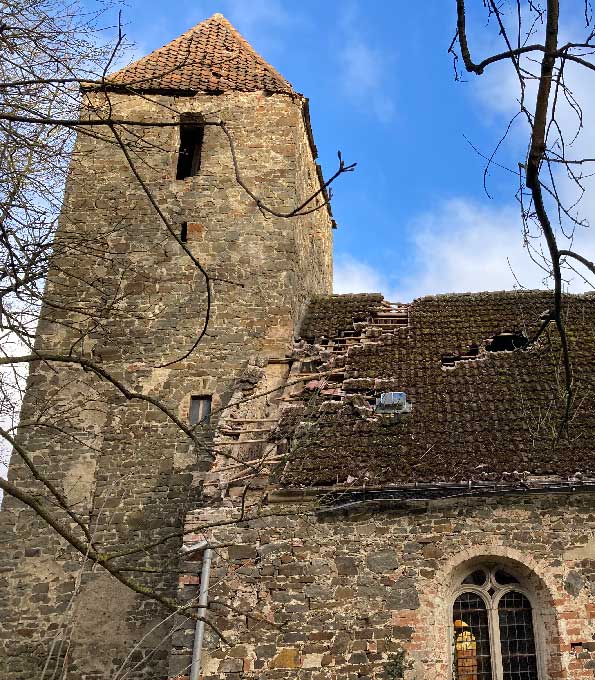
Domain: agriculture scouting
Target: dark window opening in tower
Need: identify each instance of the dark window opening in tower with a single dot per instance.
(200, 409)
(191, 138)
(184, 232)
(507, 342)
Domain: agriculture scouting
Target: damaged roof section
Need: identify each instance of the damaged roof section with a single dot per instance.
(491, 413)
(329, 315)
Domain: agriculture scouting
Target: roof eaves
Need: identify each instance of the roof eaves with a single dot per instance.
(314, 150)
(341, 498)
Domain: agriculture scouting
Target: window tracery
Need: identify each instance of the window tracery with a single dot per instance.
(493, 627)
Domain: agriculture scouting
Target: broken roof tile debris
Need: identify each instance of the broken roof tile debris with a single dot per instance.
(493, 416)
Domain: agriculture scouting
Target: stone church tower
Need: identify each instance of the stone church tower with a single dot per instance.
(372, 490)
(124, 293)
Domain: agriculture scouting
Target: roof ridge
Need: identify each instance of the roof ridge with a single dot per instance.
(225, 21)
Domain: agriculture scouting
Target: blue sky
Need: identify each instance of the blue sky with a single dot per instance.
(414, 218)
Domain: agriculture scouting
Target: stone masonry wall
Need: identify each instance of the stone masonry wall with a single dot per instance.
(124, 294)
(347, 596)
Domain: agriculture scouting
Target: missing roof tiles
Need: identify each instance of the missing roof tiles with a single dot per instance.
(501, 342)
(449, 360)
(507, 342)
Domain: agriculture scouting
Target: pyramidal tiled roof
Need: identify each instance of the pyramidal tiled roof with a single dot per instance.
(211, 57)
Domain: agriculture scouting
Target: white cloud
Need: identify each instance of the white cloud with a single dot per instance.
(363, 69)
(354, 276)
(363, 78)
(461, 246)
(262, 22)
(497, 93)
(252, 15)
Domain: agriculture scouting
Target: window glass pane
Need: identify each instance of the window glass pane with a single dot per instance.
(477, 578)
(503, 577)
(517, 640)
(200, 410)
(471, 639)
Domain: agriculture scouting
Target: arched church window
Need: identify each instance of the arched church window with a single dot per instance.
(493, 627)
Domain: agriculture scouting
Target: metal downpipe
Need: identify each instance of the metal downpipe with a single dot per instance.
(199, 630)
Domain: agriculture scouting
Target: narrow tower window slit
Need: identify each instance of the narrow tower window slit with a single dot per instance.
(191, 139)
(200, 409)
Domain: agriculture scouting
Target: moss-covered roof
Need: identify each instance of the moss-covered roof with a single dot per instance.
(485, 416)
(329, 315)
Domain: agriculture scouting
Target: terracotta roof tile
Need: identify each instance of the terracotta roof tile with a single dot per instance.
(211, 57)
(489, 416)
